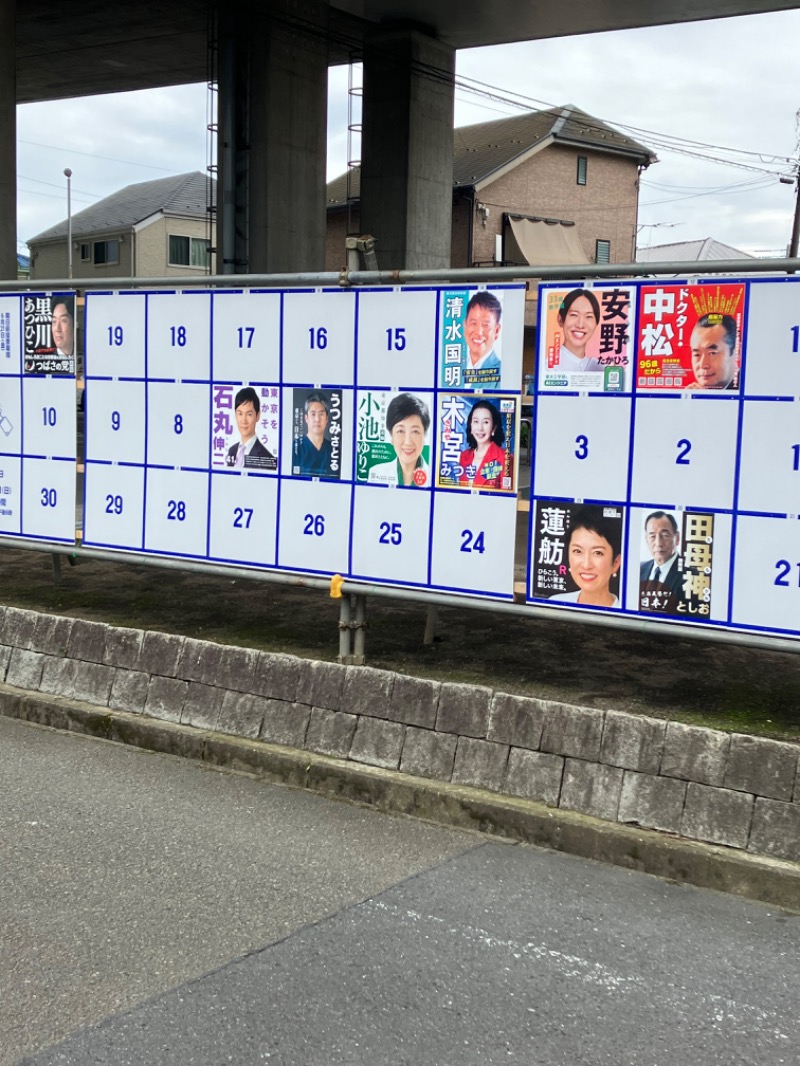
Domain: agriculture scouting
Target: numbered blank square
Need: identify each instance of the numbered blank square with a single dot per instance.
(178, 425)
(10, 416)
(244, 509)
(769, 472)
(176, 512)
(766, 577)
(685, 452)
(10, 496)
(113, 506)
(773, 339)
(48, 499)
(115, 421)
(115, 335)
(582, 447)
(396, 338)
(319, 338)
(473, 543)
(247, 336)
(48, 417)
(179, 336)
(391, 534)
(314, 531)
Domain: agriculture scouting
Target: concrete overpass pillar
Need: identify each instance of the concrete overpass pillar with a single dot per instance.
(407, 148)
(8, 140)
(273, 82)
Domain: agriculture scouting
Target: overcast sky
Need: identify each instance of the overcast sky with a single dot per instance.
(726, 84)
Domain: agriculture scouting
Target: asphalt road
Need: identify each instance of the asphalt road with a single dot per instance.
(156, 912)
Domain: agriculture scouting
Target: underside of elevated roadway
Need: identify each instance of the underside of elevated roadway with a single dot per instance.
(87, 47)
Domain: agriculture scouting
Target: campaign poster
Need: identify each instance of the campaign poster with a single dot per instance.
(477, 442)
(690, 336)
(676, 562)
(48, 324)
(471, 339)
(317, 433)
(245, 427)
(394, 439)
(576, 553)
(586, 339)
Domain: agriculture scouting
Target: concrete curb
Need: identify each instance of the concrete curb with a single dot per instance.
(770, 881)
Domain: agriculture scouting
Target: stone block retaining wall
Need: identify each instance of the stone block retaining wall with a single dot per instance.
(722, 788)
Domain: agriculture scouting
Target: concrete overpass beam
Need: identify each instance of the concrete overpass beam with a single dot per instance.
(407, 148)
(272, 145)
(8, 140)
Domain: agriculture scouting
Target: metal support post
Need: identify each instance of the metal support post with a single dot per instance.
(430, 623)
(56, 569)
(344, 629)
(360, 626)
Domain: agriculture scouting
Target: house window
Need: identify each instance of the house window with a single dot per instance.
(105, 252)
(582, 164)
(86, 253)
(189, 251)
(602, 252)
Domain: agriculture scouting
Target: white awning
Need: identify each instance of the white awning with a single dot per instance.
(543, 242)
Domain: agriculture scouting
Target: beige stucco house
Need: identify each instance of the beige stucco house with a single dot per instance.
(152, 229)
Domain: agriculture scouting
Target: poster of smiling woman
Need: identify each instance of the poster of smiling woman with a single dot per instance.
(585, 338)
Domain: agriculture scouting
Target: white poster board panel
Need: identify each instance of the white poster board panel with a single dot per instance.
(10, 335)
(692, 551)
(179, 336)
(319, 338)
(48, 417)
(685, 451)
(473, 543)
(769, 471)
(247, 336)
(396, 338)
(115, 335)
(178, 425)
(244, 518)
(115, 413)
(10, 415)
(113, 506)
(582, 447)
(766, 579)
(314, 526)
(10, 495)
(48, 499)
(391, 530)
(176, 512)
(772, 365)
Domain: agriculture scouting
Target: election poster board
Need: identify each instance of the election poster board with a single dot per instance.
(281, 429)
(673, 498)
(375, 434)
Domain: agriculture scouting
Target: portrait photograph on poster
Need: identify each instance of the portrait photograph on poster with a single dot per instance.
(48, 325)
(577, 553)
(394, 438)
(676, 561)
(477, 442)
(245, 427)
(586, 338)
(317, 433)
(472, 341)
(690, 336)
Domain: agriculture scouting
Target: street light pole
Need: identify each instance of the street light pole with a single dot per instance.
(68, 176)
